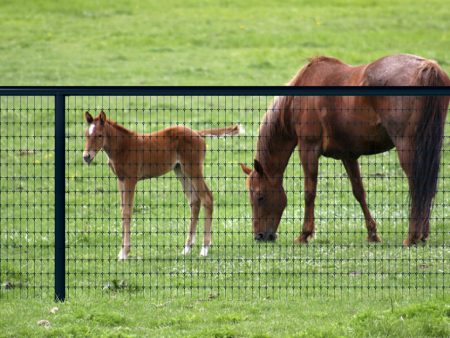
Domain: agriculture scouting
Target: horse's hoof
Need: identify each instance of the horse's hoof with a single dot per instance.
(408, 242)
(413, 241)
(302, 239)
(374, 238)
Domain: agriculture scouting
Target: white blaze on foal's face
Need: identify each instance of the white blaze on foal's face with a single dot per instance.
(94, 136)
(91, 129)
(88, 155)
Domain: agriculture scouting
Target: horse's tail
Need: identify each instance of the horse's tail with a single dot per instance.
(428, 142)
(237, 129)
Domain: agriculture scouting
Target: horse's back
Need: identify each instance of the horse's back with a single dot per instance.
(396, 70)
(359, 125)
(326, 71)
(392, 70)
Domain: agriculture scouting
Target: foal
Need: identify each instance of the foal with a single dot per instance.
(134, 157)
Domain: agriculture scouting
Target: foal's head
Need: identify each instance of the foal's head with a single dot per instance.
(94, 136)
(268, 201)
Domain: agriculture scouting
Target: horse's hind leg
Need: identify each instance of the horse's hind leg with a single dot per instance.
(309, 156)
(352, 168)
(194, 203)
(426, 231)
(405, 153)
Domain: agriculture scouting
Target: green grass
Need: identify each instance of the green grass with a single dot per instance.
(183, 317)
(337, 286)
(206, 42)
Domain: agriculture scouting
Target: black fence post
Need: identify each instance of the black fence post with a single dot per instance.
(60, 199)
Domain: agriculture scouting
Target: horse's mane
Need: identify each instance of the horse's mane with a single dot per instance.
(276, 122)
(278, 118)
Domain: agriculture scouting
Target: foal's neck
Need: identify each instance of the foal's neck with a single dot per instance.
(117, 139)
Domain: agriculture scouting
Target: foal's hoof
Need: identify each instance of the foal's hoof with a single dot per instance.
(186, 250)
(123, 255)
(373, 238)
(204, 251)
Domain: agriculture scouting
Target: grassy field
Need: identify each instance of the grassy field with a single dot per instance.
(125, 317)
(206, 42)
(337, 286)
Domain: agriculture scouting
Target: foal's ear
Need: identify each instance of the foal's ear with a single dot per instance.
(88, 117)
(245, 169)
(102, 117)
(258, 167)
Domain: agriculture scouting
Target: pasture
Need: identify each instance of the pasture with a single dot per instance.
(338, 285)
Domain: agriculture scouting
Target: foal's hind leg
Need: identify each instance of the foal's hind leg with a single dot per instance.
(352, 168)
(195, 172)
(206, 198)
(194, 203)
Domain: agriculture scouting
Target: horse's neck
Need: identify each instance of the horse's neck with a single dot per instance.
(274, 148)
(118, 141)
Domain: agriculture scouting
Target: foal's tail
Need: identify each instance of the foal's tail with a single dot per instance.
(428, 142)
(237, 129)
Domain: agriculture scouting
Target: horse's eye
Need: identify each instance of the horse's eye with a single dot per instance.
(260, 199)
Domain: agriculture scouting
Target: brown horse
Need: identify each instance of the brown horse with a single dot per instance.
(345, 128)
(134, 157)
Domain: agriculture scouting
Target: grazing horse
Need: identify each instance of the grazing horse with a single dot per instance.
(345, 128)
(134, 157)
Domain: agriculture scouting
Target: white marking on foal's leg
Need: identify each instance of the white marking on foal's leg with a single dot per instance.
(241, 130)
(189, 244)
(204, 251)
(186, 250)
(122, 255)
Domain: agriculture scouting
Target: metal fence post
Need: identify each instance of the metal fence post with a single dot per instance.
(60, 199)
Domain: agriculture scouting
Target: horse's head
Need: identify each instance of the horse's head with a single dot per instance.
(94, 136)
(268, 201)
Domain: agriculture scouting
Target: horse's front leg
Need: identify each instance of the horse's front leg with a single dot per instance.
(309, 156)
(126, 189)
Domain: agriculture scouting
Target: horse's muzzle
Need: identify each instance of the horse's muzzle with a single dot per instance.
(266, 237)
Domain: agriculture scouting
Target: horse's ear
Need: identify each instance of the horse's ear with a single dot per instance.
(102, 117)
(245, 169)
(88, 117)
(258, 167)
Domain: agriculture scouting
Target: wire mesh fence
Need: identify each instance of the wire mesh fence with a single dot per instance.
(27, 195)
(171, 172)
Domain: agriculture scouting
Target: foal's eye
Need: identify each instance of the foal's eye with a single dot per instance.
(260, 199)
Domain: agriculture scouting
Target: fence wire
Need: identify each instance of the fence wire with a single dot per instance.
(338, 262)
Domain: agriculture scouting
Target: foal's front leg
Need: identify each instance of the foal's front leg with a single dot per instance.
(126, 189)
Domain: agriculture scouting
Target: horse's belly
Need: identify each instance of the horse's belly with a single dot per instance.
(342, 143)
